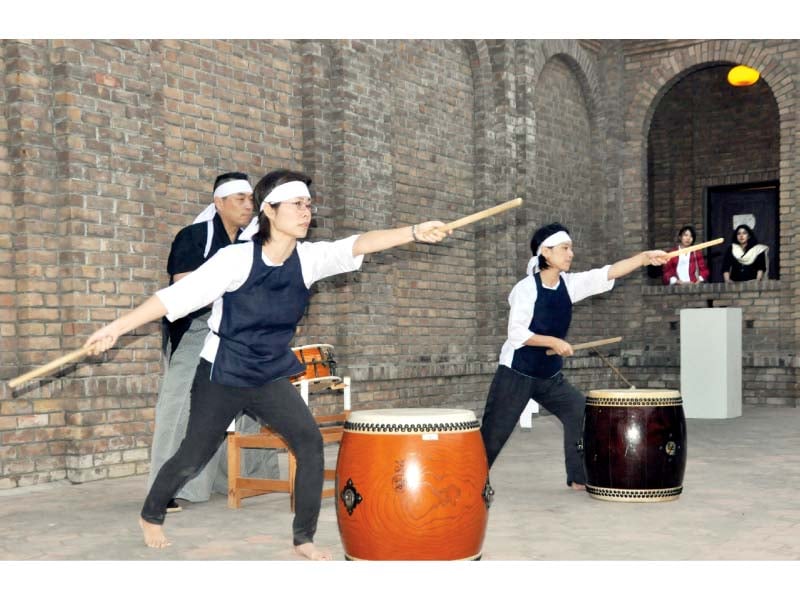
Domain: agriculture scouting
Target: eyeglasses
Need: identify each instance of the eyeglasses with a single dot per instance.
(301, 205)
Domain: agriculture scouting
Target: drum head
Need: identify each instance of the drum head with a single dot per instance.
(412, 420)
(633, 397)
(633, 393)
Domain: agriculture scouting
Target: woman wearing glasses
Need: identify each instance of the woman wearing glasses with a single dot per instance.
(259, 291)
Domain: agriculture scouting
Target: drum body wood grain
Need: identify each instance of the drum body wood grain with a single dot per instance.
(412, 484)
(634, 445)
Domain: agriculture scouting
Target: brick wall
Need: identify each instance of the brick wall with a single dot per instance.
(112, 147)
(108, 148)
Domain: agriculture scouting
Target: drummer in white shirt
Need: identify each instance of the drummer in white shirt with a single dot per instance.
(259, 291)
(539, 319)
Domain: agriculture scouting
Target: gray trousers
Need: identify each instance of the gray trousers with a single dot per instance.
(172, 416)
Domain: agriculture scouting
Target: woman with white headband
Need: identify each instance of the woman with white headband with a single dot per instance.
(260, 291)
(540, 316)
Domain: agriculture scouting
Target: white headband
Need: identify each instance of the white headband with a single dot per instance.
(286, 191)
(557, 238)
(232, 186)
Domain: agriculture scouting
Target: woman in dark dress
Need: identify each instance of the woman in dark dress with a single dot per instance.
(745, 258)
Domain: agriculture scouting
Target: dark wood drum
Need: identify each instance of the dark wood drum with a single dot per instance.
(412, 484)
(634, 445)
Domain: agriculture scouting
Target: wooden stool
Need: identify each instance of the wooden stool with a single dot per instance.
(331, 428)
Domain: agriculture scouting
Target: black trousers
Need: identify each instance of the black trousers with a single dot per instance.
(508, 396)
(213, 407)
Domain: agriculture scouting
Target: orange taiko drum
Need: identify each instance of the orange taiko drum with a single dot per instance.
(412, 484)
(317, 359)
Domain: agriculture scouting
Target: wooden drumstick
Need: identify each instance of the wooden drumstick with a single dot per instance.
(613, 368)
(593, 344)
(53, 365)
(482, 214)
(688, 249)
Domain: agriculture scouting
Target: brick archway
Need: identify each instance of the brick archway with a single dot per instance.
(655, 82)
(642, 100)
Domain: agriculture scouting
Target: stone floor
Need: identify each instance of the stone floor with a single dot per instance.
(739, 503)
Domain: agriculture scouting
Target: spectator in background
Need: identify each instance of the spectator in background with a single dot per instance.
(745, 258)
(687, 268)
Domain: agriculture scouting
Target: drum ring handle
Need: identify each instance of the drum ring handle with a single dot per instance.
(350, 497)
(488, 494)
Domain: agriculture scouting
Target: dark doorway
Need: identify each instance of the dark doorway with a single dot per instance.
(755, 205)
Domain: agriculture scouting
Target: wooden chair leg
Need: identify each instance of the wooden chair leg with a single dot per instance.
(244, 487)
(234, 471)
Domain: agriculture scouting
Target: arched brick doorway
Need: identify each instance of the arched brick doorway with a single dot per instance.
(708, 144)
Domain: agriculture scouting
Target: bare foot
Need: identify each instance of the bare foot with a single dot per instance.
(311, 552)
(154, 534)
(578, 487)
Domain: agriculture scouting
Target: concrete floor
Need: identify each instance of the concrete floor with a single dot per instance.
(739, 503)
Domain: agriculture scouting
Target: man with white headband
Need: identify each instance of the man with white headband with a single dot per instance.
(218, 226)
(540, 316)
(260, 291)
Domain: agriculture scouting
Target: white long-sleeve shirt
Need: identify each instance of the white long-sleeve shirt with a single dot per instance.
(522, 300)
(229, 269)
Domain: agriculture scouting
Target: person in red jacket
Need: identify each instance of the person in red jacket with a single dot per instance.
(686, 268)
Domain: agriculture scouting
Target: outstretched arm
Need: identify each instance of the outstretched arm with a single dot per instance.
(105, 337)
(383, 239)
(642, 259)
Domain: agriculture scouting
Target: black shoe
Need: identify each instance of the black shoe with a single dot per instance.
(173, 506)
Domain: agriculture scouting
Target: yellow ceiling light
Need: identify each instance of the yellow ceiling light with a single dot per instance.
(742, 75)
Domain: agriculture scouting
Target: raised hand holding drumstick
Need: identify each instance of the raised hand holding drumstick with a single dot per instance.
(430, 232)
(556, 345)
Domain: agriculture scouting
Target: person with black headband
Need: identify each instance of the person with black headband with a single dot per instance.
(540, 316)
(259, 292)
(218, 226)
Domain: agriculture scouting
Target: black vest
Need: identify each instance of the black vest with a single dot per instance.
(552, 315)
(258, 324)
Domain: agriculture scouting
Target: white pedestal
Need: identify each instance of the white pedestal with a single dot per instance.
(711, 362)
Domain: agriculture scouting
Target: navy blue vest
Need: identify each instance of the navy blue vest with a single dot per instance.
(552, 315)
(258, 324)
